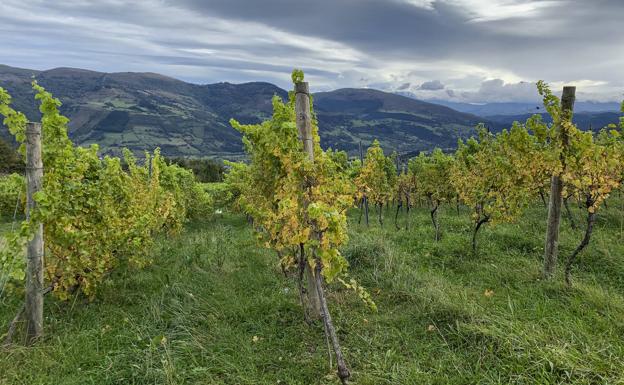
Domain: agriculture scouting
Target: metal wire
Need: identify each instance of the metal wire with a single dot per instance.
(19, 196)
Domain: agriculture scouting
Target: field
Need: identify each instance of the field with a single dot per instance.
(214, 308)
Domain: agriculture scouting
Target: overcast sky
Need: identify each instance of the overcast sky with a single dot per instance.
(462, 50)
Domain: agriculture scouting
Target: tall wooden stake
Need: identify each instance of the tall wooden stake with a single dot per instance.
(551, 246)
(34, 262)
(304, 125)
(365, 200)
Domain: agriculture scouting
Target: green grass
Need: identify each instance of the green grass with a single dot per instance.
(192, 316)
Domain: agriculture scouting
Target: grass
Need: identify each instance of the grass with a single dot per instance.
(215, 308)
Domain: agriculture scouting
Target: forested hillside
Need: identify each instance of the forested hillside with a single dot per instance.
(141, 111)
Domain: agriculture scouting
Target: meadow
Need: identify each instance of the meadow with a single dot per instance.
(215, 308)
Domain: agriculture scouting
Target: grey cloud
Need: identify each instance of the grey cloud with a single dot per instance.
(432, 85)
(339, 43)
(496, 90)
(230, 64)
(557, 43)
(384, 25)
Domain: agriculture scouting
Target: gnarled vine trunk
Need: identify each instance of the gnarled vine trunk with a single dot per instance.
(396, 215)
(407, 212)
(591, 220)
(330, 330)
(480, 222)
(434, 218)
(569, 213)
(541, 193)
(361, 206)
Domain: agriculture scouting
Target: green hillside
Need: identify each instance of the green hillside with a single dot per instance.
(142, 111)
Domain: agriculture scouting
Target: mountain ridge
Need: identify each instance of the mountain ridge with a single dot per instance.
(144, 110)
(521, 108)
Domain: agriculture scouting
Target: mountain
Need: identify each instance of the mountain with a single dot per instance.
(491, 109)
(584, 120)
(349, 115)
(141, 111)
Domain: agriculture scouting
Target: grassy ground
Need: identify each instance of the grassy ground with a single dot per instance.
(215, 309)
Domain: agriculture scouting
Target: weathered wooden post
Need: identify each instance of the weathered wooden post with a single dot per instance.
(556, 189)
(365, 200)
(304, 125)
(34, 259)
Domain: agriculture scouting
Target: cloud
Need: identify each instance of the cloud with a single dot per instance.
(486, 10)
(496, 90)
(432, 85)
(475, 48)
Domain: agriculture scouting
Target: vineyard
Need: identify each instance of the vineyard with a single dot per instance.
(497, 263)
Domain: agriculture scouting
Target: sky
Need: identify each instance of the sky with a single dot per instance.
(473, 51)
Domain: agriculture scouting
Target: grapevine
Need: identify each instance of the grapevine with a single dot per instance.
(96, 216)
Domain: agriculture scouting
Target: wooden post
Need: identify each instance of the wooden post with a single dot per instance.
(551, 246)
(34, 262)
(364, 198)
(304, 125)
